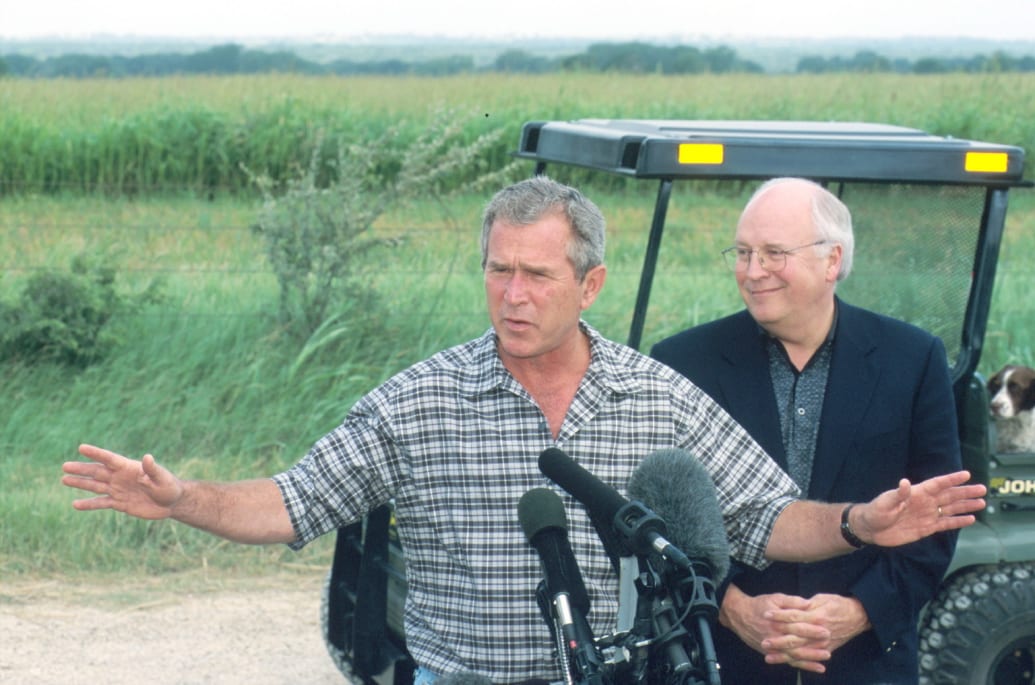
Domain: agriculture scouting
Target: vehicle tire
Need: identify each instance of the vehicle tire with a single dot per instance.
(980, 628)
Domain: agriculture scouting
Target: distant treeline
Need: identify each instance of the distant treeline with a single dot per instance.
(632, 57)
(869, 61)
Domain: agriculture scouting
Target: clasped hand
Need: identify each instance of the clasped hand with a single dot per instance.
(802, 633)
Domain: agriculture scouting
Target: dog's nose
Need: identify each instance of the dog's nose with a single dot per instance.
(1000, 408)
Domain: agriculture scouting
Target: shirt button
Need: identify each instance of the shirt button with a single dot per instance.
(801, 411)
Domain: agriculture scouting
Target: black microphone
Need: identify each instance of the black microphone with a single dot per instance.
(642, 530)
(679, 490)
(542, 517)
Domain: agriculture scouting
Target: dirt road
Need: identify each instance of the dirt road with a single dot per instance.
(263, 631)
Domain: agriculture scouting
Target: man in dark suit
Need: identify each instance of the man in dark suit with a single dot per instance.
(848, 402)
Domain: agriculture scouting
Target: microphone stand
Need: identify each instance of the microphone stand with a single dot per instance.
(704, 611)
(681, 603)
(693, 596)
(576, 649)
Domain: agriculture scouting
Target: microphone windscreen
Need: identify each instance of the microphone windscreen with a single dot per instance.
(539, 509)
(542, 517)
(676, 487)
(463, 678)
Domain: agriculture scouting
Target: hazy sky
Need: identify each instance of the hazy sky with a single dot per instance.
(622, 19)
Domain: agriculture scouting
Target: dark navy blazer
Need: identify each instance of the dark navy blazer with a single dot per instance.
(888, 413)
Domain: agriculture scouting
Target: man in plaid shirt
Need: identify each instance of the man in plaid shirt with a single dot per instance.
(454, 442)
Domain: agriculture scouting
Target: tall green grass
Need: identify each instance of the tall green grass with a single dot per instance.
(147, 135)
(206, 380)
(209, 384)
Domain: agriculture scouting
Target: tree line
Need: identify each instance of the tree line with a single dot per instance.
(626, 57)
(869, 61)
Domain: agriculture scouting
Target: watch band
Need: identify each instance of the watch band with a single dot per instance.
(846, 529)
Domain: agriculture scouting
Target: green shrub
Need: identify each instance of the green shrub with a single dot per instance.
(64, 317)
(319, 232)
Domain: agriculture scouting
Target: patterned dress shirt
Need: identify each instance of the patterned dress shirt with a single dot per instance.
(454, 442)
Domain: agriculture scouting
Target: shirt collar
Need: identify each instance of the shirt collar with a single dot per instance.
(488, 373)
(765, 335)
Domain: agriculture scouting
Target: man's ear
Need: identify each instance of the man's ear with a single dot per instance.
(592, 284)
(834, 262)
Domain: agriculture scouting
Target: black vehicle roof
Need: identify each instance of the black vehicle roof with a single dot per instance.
(833, 151)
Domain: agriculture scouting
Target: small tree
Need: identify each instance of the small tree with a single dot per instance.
(318, 231)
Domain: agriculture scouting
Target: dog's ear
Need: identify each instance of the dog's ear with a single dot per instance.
(996, 381)
(1026, 375)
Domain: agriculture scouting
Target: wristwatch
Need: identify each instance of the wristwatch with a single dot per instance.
(846, 529)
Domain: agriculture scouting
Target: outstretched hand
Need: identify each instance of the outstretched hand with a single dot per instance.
(138, 488)
(911, 512)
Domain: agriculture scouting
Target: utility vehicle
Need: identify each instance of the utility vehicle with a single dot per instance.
(929, 215)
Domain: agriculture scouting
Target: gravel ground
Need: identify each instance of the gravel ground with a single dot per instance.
(263, 631)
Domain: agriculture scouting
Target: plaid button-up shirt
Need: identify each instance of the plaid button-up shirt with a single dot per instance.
(454, 441)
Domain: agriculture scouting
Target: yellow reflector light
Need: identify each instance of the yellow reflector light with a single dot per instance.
(988, 162)
(700, 153)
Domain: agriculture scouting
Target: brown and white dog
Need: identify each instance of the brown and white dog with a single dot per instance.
(1012, 390)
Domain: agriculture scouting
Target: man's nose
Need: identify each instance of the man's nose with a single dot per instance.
(754, 268)
(516, 290)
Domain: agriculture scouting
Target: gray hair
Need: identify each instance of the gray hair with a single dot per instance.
(528, 201)
(831, 220)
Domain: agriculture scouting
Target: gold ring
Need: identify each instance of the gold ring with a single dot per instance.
(939, 512)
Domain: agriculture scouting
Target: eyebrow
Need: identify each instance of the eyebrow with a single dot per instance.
(521, 265)
(763, 246)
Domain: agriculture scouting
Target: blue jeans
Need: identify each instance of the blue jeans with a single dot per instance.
(423, 676)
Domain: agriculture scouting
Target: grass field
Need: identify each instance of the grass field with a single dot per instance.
(147, 135)
(206, 380)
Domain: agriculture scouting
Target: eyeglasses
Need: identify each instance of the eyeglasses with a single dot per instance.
(771, 259)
